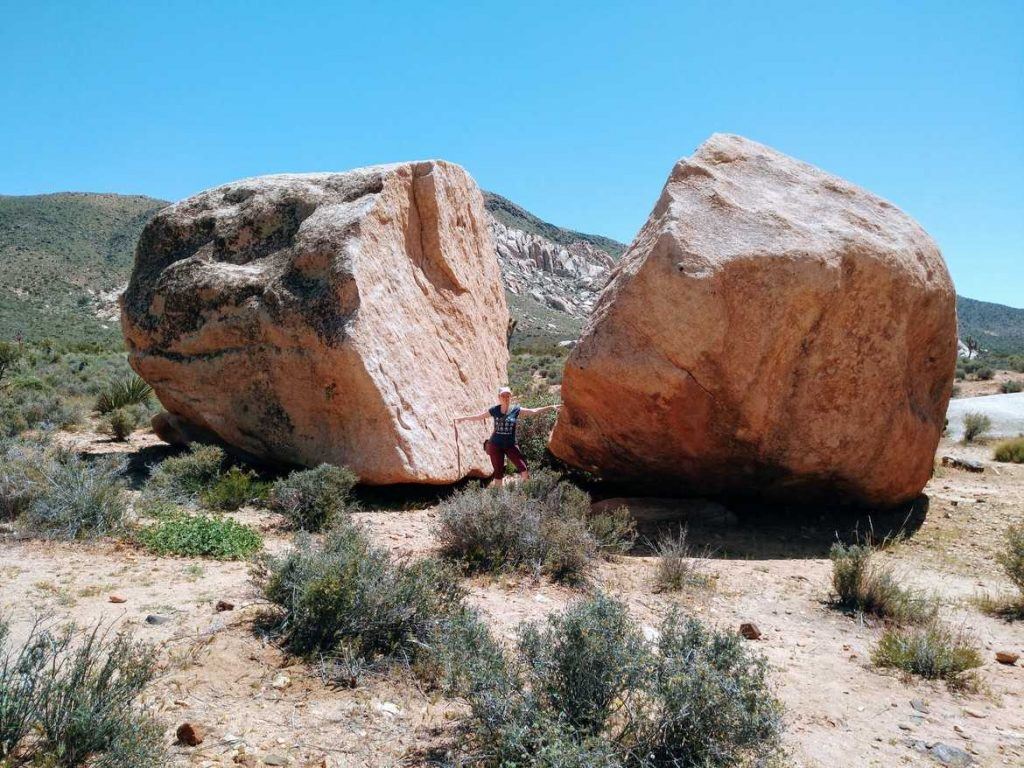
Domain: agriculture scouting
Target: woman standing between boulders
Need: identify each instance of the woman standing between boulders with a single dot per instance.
(502, 442)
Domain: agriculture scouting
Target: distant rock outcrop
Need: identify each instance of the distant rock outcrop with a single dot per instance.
(773, 331)
(338, 317)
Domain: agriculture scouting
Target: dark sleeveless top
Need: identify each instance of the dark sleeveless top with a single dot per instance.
(504, 435)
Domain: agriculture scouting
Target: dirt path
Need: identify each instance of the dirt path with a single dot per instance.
(840, 710)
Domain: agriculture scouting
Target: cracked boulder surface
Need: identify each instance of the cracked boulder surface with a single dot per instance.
(773, 332)
(344, 318)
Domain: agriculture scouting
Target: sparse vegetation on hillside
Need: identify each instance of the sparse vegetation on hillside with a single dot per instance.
(586, 689)
(995, 327)
(58, 253)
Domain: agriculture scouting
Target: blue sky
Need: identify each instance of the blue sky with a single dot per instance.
(575, 110)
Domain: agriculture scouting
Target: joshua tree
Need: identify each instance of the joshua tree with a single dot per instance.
(972, 346)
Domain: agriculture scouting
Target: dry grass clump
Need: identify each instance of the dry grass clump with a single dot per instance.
(934, 652)
(1011, 451)
(679, 567)
(862, 585)
(1011, 558)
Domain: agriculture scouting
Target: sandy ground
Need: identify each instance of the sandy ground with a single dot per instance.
(253, 700)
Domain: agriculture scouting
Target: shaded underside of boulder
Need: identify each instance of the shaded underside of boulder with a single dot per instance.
(773, 331)
(331, 317)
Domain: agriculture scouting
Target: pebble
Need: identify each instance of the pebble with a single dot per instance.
(920, 706)
(750, 631)
(273, 759)
(155, 619)
(117, 599)
(224, 605)
(387, 707)
(281, 681)
(190, 734)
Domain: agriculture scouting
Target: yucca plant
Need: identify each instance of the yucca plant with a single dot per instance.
(131, 390)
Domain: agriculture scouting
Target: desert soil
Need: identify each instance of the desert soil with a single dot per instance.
(840, 711)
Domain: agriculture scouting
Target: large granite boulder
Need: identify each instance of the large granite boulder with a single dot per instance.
(772, 331)
(330, 317)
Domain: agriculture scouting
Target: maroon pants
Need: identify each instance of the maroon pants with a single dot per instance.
(497, 454)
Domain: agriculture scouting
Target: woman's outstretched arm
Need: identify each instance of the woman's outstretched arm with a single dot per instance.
(474, 417)
(543, 409)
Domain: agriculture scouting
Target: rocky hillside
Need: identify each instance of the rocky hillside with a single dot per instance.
(64, 256)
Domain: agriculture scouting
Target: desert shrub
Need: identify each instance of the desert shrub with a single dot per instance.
(862, 585)
(1012, 556)
(120, 423)
(200, 536)
(975, 426)
(312, 499)
(234, 489)
(21, 462)
(985, 374)
(679, 566)
(70, 699)
(346, 596)
(586, 689)
(78, 499)
(614, 530)
(1011, 386)
(960, 374)
(933, 651)
(20, 673)
(1010, 451)
(532, 435)
(25, 409)
(189, 474)
(131, 390)
(541, 525)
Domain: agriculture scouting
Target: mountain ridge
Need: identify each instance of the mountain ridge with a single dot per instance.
(64, 254)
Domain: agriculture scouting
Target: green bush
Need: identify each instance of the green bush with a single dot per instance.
(346, 597)
(313, 499)
(586, 689)
(200, 536)
(1012, 556)
(1011, 386)
(985, 374)
(1010, 451)
(78, 499)
(188, 475)
(975, 426)
(131, 390)
(933, 651)
(71, 699)
(234, 489)
(678, 566)
(861, 585)
(541, 525)
(960, 374)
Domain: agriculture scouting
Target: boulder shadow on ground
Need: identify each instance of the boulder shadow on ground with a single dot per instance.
(759, 531)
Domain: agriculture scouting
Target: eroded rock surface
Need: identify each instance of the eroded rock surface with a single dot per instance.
(338, 317)
(774, 331)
